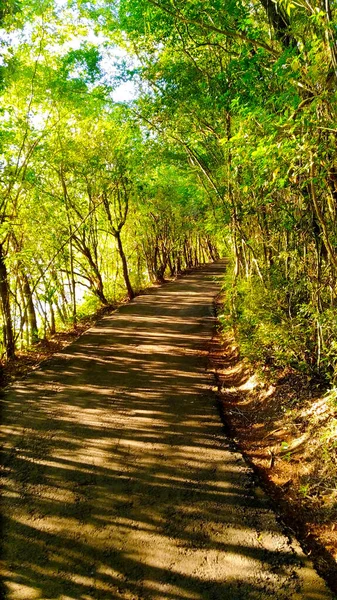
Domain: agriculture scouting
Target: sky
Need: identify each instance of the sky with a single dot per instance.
(113, 56)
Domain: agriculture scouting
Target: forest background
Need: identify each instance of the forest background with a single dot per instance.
(226, 144)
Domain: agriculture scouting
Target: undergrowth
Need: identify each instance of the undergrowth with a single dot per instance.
(280, 339)
(276, 327)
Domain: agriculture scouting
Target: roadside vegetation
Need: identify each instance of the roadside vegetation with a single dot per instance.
(93, 207)
(285, 423)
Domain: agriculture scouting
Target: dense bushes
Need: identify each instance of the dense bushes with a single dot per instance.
(270, 335)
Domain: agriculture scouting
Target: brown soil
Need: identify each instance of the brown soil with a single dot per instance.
(285, 427)
(118, 480)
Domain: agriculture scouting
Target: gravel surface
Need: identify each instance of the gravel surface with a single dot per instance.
(119, 482)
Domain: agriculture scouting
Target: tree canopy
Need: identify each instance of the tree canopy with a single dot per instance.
(228, 146)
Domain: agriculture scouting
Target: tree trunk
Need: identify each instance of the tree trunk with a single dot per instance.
(280, 22)
(26, 293)
(31, 314)
(128, 285)
(6, 309)
(72, 276)
(94, 275)
(321, 219)
(62, 309)
(171, 264)
(52, 328)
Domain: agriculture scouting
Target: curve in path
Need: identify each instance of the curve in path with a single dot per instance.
(119, 481)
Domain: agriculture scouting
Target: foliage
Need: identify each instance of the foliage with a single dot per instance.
(231, 144)
(266, 333)
(84, 187)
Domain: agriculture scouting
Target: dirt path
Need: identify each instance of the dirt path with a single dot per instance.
(119, 482)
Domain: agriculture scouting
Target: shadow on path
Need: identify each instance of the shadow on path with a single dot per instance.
(118, 481)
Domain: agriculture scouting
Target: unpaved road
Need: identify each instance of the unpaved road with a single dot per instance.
(119, 481)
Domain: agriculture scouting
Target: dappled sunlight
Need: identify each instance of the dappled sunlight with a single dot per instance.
(118, 482)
